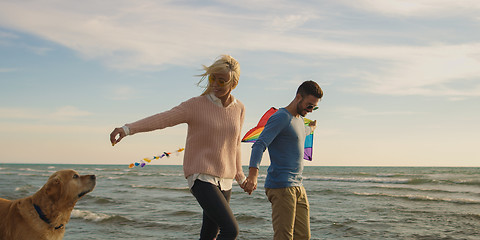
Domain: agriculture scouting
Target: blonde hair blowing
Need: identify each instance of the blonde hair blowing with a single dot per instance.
(223, 64)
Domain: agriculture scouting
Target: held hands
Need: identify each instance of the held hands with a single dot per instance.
(250, 184)
(113, 136)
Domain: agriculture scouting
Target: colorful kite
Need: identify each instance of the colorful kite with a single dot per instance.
(308, 147)
(253, 134)
(144, 161)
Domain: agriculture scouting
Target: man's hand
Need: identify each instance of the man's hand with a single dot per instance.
(313, 125)
(251, 183)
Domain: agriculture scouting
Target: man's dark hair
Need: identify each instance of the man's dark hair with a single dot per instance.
(310, 88)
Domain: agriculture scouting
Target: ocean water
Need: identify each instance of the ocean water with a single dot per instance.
(346, 202)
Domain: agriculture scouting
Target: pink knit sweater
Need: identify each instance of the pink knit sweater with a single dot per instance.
(213, 139)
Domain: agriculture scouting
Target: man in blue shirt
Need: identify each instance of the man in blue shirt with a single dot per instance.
(284, 136)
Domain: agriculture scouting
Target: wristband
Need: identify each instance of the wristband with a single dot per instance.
(126, 130)
(242, 180)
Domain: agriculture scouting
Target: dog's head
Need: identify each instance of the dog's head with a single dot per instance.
(69, 186)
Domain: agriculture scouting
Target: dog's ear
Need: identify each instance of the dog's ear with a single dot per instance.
(54, 188)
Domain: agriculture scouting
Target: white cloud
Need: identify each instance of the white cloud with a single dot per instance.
(40, 50)
(431, 70)
(143, 33)
(32, 128)
(419, 8)
(6, 70)
(122, 93)
(60, 114)
(69, 112)
(146, 34)
(17, 113)
(356, 112)
(291, 21)
(7, 35)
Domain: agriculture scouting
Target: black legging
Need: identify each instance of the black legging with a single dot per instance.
(217, 214)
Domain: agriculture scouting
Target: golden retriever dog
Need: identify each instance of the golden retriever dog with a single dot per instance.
(43, 215)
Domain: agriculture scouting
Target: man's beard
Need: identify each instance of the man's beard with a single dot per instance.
(300, 110)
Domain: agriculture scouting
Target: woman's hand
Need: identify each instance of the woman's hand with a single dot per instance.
(113, 136)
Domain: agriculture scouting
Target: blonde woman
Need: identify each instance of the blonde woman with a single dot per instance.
(212, 150)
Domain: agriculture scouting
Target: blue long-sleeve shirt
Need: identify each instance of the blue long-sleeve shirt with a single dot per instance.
(284, 136)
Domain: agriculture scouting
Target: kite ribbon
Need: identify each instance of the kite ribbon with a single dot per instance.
(144, 161)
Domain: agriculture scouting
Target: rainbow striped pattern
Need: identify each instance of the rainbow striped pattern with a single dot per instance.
(253, 134)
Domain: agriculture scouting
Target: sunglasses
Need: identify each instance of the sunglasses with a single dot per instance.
(312, 107)
(220, 82)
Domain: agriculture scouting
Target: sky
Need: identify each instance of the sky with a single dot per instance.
(401, 78)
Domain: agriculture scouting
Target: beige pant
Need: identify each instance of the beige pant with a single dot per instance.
(290, 213)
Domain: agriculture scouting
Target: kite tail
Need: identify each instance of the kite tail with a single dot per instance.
(144, 161)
